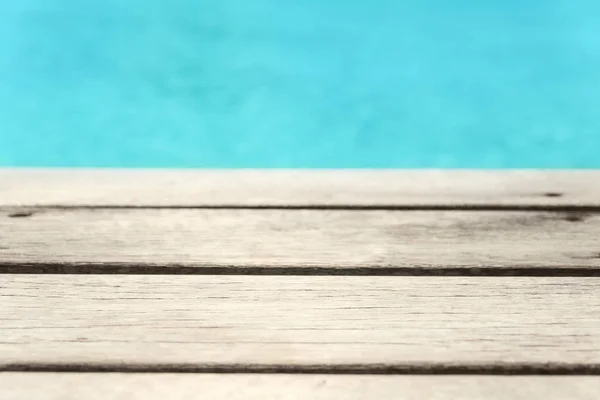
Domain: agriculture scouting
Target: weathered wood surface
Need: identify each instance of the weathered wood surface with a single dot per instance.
(290, 239)
(304, 322)
(411, 188)
(66, 386)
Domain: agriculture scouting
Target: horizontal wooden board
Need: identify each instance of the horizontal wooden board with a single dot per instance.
(335, 239)
(65, 386)
(189, 188)
(315, 323)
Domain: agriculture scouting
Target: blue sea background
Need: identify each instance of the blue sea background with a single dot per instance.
(300, 83)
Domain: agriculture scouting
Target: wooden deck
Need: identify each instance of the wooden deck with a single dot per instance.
(299, 284)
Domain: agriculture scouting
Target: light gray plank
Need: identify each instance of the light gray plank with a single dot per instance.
(303, 238)
(361, 322)
(66, 386)
(88, 187)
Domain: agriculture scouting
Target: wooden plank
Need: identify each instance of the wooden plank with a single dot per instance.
(66, 386)
(245, 323)
(280, 239)
(411, 188)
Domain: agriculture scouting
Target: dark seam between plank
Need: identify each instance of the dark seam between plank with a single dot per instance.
(175, 269)
(358, 369)
(350, 207)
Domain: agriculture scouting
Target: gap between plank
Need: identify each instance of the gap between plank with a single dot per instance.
(332, 369)
(174, 269)
(340, 207)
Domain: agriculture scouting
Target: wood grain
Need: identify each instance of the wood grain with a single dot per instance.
(65, 386)
(258, 322)
(192, 188)
(300, 239)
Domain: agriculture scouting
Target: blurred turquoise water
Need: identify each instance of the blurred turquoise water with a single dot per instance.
(300, 83)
